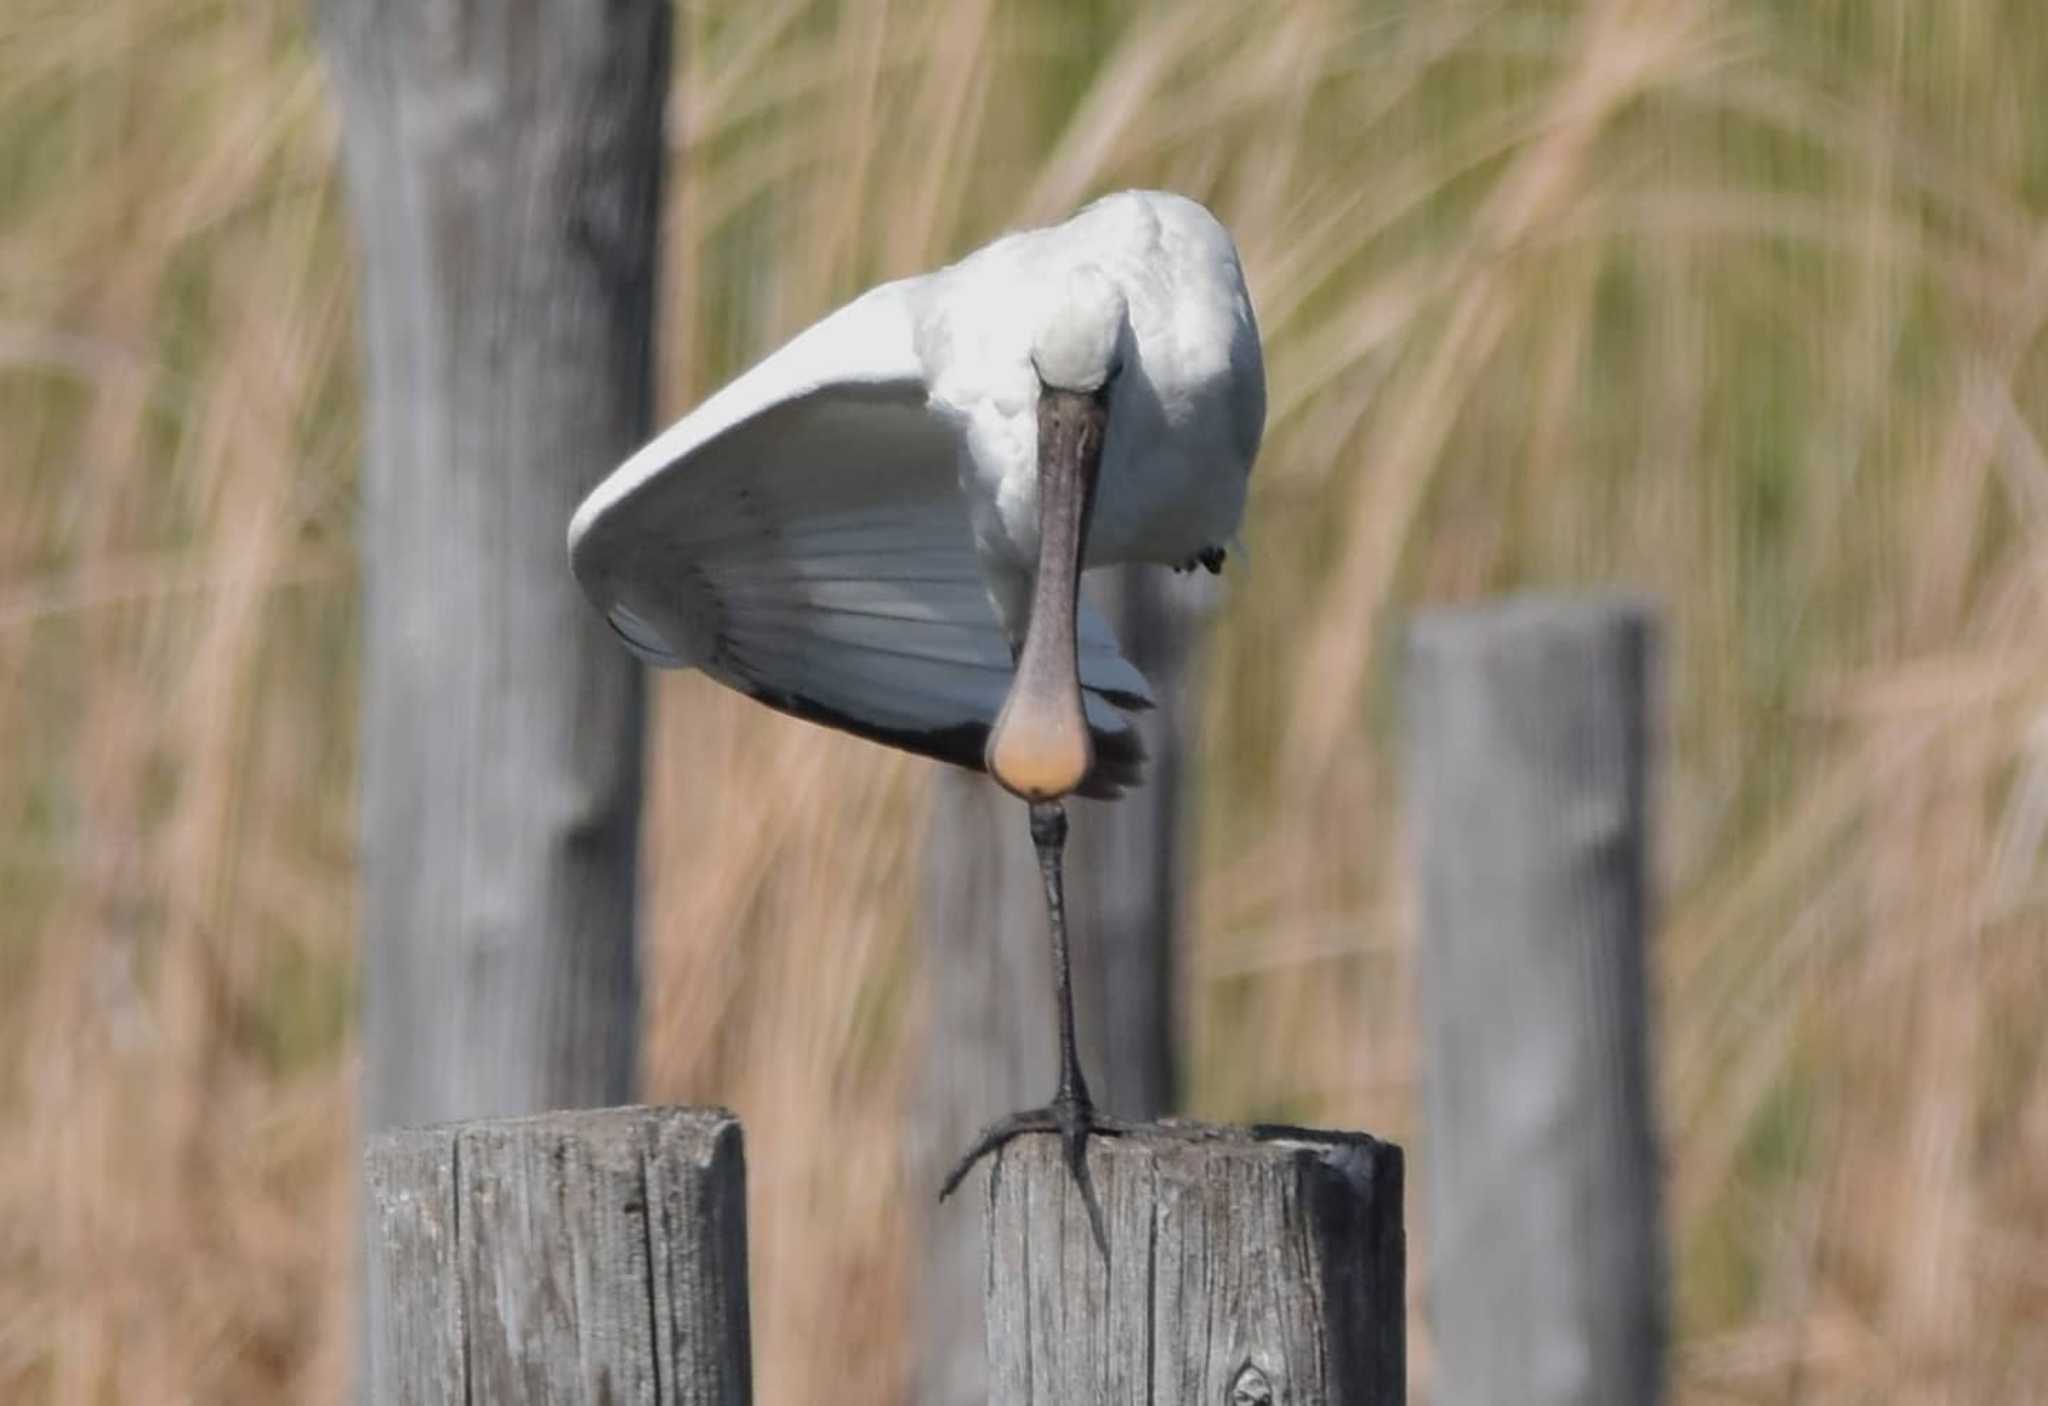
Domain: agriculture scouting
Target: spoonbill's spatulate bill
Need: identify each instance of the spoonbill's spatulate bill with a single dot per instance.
(880, 527)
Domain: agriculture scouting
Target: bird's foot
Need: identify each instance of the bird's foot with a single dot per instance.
(1073, 1118)
(1210, 558)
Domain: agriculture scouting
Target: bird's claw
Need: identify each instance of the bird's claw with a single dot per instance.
(1073, 1120)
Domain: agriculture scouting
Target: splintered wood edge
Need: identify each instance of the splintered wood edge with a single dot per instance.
(585, 1122)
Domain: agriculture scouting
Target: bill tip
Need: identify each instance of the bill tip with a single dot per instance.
(1039, 758)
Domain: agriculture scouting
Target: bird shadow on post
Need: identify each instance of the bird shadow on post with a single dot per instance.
(1528, 767)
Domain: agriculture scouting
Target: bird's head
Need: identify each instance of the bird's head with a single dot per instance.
(1080, 334)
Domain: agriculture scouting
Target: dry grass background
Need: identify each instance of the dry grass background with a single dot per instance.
(1739, 301)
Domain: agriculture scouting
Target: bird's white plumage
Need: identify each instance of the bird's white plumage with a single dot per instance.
(848, 531)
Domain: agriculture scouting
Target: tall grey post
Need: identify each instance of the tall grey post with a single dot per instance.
(566, 1257)
(1528, 762)
(985, 947)
(1124, 890)
(504, 160)
(1245, 1267)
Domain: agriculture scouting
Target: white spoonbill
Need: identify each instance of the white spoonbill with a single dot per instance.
(880, 526)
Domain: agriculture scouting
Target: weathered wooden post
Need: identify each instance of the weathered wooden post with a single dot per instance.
(991, 1047)
(1246, 1267)
(566, 1257)
(1528, 759)
(504, 160)
(1125, 878)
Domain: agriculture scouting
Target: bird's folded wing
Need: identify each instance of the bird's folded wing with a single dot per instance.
(801, 537)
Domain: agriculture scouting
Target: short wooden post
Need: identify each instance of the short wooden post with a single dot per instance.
(1528, 762)
(568, 1257)
(1246, 1267)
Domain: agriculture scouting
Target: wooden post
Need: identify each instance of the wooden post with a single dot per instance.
(504, 162)
(567, 1257)
(1246, 1267)
(991, 1044)
(1528, 760)
(1124, 881)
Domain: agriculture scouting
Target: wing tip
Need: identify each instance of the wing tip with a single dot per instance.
(1120, 760)
(642, 638)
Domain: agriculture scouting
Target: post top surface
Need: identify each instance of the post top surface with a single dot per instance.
(584, 1123)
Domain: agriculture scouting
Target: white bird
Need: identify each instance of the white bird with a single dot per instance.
(880, 526)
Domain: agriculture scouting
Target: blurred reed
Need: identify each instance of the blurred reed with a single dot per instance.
(1740, 302)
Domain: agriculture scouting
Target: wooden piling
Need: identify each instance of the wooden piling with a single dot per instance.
(1245, 1267)
(569, 1257)
(1528, 763)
